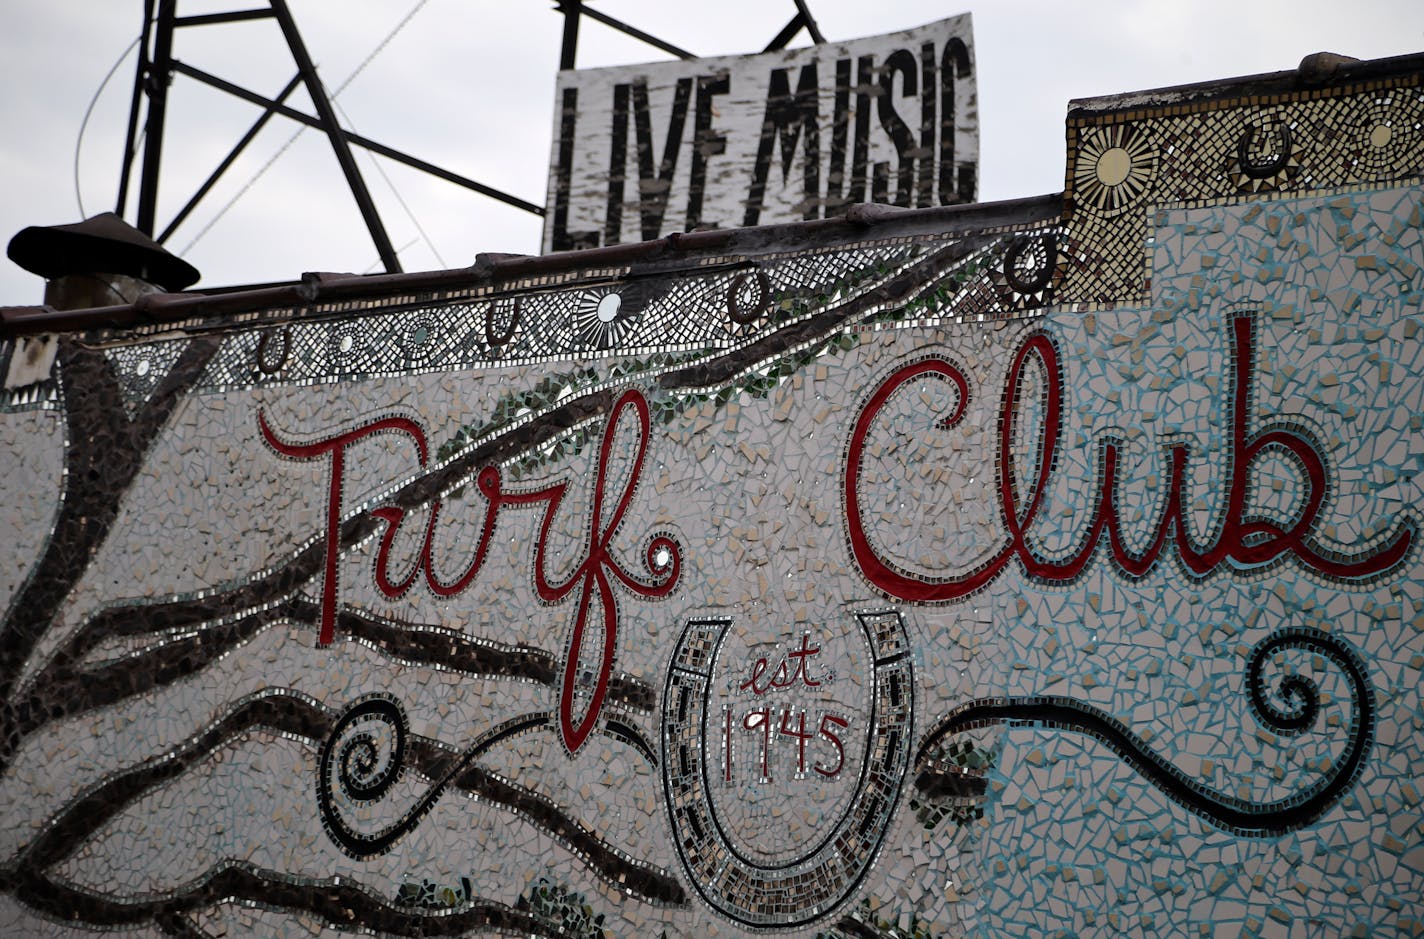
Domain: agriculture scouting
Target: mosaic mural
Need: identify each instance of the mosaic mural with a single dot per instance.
(1043, 570)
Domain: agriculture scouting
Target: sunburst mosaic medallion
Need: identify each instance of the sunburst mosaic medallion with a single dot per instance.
(1114, 166)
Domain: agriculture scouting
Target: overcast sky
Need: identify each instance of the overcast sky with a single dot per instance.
(468, 85)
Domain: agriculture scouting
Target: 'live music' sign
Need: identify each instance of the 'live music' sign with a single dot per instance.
(645, 150)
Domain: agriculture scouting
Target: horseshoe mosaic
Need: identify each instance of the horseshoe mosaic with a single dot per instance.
(742, 312)
(496, 338)
(708, 753)
(269, 363)
(1277, 145)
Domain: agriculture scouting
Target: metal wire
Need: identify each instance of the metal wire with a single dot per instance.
(395, 192)
(79, 140)
(370, 57)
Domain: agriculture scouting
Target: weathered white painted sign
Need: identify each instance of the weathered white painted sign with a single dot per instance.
(644, 150)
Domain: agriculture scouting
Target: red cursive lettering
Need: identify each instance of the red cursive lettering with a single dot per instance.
(336, 447)
(592, 579)
(1242, 541)
(788, 670)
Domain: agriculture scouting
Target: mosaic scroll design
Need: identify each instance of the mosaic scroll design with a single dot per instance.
(369, 749)
(1288, 710)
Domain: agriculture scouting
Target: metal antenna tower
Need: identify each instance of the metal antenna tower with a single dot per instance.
(573, 9)
(157, 66)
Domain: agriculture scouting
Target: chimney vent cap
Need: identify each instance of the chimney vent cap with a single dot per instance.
(103, 244)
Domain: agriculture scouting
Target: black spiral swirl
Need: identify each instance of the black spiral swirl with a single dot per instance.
(365, 770)
(1242, 816)
(1296, 690)
(361, 772)
(364, 767)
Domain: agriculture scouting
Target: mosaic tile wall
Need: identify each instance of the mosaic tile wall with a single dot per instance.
(868, 590)
(1264, 142)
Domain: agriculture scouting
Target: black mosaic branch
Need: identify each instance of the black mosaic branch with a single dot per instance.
(338, 902)
(620, 730)
(81, 818)
(105, 449)
(65, 690)
(1241, 816)
(287, 713)
(455, 651)
(177, 924)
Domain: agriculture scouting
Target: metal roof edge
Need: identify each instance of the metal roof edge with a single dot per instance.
(858, 221)
(1320, 69)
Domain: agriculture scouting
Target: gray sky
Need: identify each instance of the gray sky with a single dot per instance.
(468, 85)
